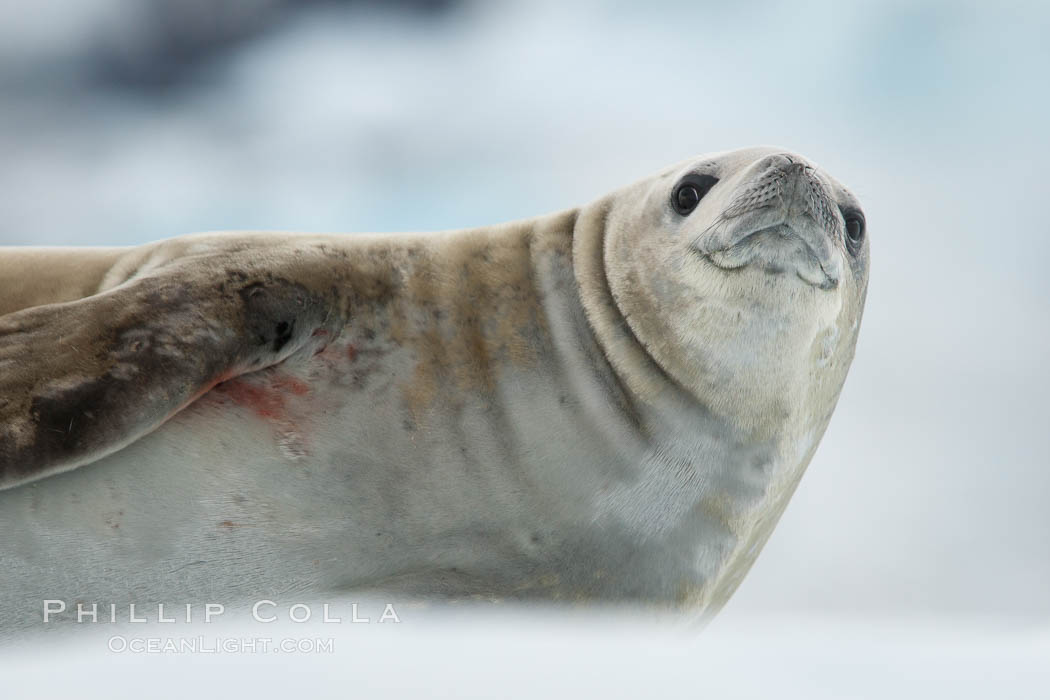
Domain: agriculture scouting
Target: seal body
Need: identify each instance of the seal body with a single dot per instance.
(613, 403)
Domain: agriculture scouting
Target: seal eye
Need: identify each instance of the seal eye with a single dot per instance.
(854, 229)
(686, 199)
(688, 193)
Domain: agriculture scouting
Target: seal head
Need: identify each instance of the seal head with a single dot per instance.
(741, 274)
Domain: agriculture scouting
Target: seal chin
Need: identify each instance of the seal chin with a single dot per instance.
(778, 249)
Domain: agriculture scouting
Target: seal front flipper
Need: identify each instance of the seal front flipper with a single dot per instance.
(82, 379)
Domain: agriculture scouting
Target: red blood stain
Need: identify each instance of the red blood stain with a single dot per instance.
(266, 403)
(297, 387)
(320, 332)
(351, 352)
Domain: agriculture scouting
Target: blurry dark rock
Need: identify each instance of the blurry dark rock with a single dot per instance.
(151, 46)
(176, 36)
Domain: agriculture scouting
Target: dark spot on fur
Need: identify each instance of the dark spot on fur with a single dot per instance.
(283, 333)
(271, 309)
(62, 424)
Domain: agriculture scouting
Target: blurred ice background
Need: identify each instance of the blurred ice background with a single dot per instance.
(124, 121)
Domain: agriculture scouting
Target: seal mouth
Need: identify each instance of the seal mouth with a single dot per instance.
(776, 249)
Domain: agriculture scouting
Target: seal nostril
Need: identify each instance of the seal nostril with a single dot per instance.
(781, 161)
